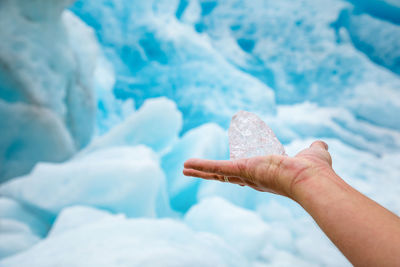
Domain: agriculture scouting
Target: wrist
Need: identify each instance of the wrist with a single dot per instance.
(317, 186)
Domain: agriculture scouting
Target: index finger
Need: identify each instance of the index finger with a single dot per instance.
(222, 167)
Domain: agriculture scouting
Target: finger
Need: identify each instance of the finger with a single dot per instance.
(218, 177)
(212, 176)
(319, 144)
(222, 167)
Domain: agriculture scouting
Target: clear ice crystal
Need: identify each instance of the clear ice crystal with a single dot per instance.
(249, 136)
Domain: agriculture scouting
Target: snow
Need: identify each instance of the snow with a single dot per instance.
(101, 103)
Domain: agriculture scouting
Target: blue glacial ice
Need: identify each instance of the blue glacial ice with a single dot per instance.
(20, 227)
(101, 102)
(158, 116)
(379, 40)
(207, 141)
(114, 239)
(47, 61)
(156, 55)
(251, 234)
(303, 57)
(15, 237)
(136, 190)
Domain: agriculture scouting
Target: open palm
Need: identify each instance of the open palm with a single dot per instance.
(273, 173)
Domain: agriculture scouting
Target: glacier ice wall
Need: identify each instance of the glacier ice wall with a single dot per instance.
(388, 10)
(310, 69)
(304, 51)
(378, 39)
(156, 55)
(47, 102)
(322, 55)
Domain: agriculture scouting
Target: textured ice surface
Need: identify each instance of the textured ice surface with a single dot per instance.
(76, 216)
(121, 179)
(30, 133)
(378, 39)
(212, 58)
(19, 227)
(13, 210)
(295, 48)
(251, 232)
(47, 101)
(15, 236)
(154, 55)
(305, 120)
(117, 241)
(250, 136)
(158, 116)
(207, 141)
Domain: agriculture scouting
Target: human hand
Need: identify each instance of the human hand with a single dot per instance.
(365, 232)
(277, 174)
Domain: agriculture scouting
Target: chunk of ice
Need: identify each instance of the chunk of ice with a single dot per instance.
(250, 136)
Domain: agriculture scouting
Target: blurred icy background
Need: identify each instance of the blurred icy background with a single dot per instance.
(101, 101)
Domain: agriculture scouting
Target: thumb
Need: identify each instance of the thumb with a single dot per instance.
(319, 144)
(320, 148)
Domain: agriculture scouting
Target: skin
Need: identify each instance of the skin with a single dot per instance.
(364, 231)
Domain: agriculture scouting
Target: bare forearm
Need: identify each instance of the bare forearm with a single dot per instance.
(365, 232)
